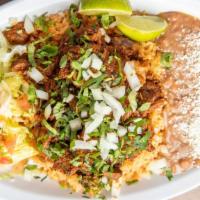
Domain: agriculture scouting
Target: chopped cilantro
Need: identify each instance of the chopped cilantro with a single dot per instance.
(169, 174)
(131, 182)
(85, 55)
(95, 82)
(42, 23)
(72, 145)
(76, 65)
(44, 178)
(50, 128)
(144, 107)
(71, 36)
(75, 162)
(141, 142)
(32, 94)
(31, 167)
(63, 61)
(166, 60)
(31, 54)
(105, 21)
(47, 51)
(73, 15)
(55, 151)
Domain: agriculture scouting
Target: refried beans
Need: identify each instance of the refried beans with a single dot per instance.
(182, 89)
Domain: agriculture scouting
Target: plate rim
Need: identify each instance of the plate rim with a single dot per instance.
(193, 176)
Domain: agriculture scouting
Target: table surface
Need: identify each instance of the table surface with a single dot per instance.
(192, 195)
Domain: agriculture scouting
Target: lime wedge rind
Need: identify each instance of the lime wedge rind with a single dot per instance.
(141, 28)
(112, 7)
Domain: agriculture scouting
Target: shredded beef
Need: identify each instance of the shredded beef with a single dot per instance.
(17, 34)
(150, 92)
(20, 64)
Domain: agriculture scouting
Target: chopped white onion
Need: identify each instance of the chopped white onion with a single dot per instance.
(48, 111)
(84, 114)
(35, 74)
(131, 76)
(75, 124)
(92, 74)
(13, 21)
(131, 128)
(97, 63)
(85, 75)
(121, 131)
(28, 25)
(91, 126)
(106, 146)
(83, 145)
(116, 188)
(107, 38)
(87, 62)
(137, 120)
(97, 94)
(113, 125)
(112, 25)
(69, 98)
(117, 116)
(104, 180)
(107, 87)
(139, 130)
(18, 49)
(116, 106)
(3, 41)
(112, 137)
(157, 166)
(102, 31)
(42, 94)
(102, 108)
(104, 153)
(118, 92)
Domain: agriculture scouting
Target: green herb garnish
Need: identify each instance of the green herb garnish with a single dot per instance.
(141, 142)
(50, 128)
(131, 182)
(166, 60)
(95, 82)
(32, 94)
(63, 61)
(31, 167)
(31, 54)
(42, 23)
(105, 21)
(169, 174)
(144, 107)
(73, 15)
(47, 51)
(71, 36)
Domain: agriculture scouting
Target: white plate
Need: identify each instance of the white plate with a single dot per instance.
(157, 188)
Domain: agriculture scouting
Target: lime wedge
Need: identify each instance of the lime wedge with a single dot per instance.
(141, 28)
(112, 7)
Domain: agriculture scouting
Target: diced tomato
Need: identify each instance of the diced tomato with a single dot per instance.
(10, 142)
(24, 103)
(5, 160)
